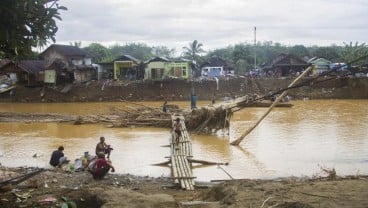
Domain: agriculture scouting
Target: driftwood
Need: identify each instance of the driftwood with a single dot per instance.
(20, 179)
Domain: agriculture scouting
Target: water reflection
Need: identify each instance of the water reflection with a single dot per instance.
(290, 141)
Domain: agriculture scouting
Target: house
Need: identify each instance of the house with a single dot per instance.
(284, 65)
(180, 68)
(158, 68)
(27, 72)
(127, 67)
(215, 67)
(320, 64)
(73, 64)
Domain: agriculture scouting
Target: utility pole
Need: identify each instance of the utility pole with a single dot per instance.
(255, 46)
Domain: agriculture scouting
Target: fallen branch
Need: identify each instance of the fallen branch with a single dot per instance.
(264, 202)
(225, 171)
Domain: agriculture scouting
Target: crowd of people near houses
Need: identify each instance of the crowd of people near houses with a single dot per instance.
(98, 164)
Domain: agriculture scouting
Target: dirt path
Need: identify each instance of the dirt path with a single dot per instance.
(131, 191)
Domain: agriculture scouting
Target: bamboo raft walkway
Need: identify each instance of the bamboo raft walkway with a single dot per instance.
(181, 154)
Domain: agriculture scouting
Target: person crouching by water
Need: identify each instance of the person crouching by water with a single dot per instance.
(100, 166)
(58, 158)
(103, 147)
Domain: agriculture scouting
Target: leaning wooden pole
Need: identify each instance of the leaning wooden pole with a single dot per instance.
(240, 139)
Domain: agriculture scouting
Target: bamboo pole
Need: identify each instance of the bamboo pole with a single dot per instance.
(174, 169)
(204, 162)
(166, 163)
(240, 139)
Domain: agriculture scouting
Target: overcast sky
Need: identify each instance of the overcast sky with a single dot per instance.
(214, 23)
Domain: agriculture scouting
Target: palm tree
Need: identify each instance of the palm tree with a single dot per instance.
(193, 51)
(354, 51)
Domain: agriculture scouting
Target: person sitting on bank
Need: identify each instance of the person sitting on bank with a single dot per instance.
(103, 147)
(58, 158)
(100, 166)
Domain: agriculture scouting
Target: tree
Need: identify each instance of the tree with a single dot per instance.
(328, 52)
(76, 43)
(242, 66)
(225, 53)
(243, 52)
(193, 51)
(299, 50)
(98, 52)
(163, 51)
(25, 24)
(353, 51)
(137, 50)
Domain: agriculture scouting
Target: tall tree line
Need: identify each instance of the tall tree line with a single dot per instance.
(241, 55)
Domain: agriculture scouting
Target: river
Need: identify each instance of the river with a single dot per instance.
(295, 141)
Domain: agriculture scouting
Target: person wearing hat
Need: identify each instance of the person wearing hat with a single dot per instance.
(177, 130)
(101, 166)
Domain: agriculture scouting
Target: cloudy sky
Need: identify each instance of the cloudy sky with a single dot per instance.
(215, 23)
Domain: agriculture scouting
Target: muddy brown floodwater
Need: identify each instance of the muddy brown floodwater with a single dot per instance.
(293, 141)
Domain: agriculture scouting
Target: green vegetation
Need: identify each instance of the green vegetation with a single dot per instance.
(241, 55)
(25, 24)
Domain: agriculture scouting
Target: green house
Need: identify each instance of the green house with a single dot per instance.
(127, 67)
(158, 68)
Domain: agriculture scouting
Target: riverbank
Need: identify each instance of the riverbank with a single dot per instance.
(51, 188)
(179, 90)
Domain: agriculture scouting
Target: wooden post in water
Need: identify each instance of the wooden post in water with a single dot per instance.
(240, 139)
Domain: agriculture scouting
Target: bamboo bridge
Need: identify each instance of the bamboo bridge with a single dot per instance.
(181, 169)
(181, 158)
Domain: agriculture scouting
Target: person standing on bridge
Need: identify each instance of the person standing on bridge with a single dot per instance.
(177, 130)
(164, 107)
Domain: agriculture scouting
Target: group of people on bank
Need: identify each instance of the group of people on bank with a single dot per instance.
(98, 165)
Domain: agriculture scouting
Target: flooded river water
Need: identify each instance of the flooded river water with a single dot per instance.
(293, 141)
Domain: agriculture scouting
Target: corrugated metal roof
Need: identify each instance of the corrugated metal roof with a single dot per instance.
(128, 58)
(67, 50)
(32, 66)
(157, 58)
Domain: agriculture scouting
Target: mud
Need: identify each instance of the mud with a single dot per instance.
(59, 186)
(94, 91)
